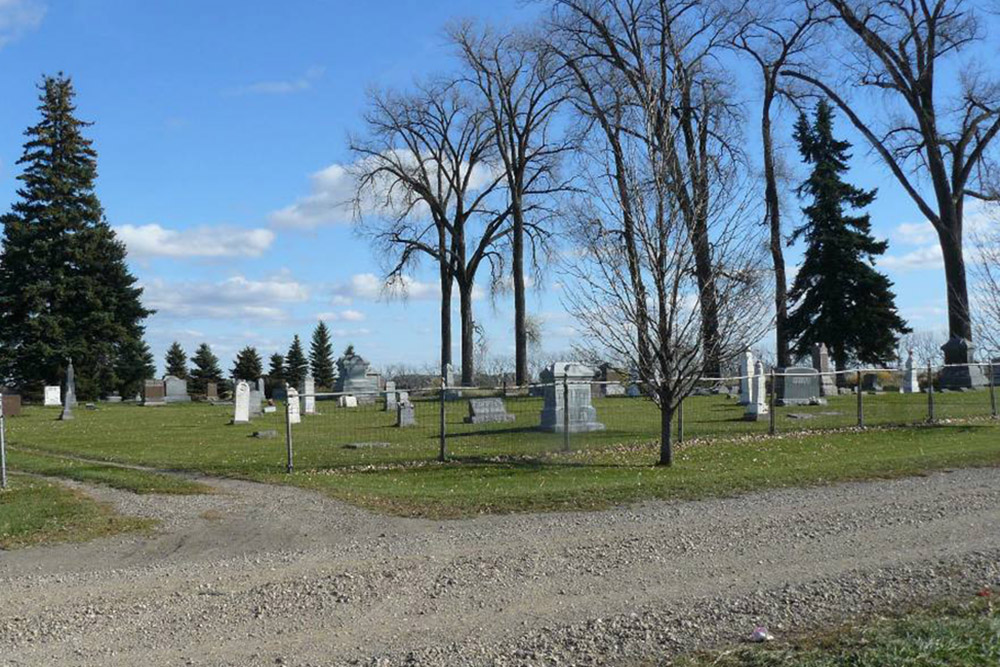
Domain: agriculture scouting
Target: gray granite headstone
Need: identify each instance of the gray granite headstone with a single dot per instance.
(256, 402)
(69, 399)
(870, 382)
(572, 378)
(390, 396)
(154, 393)
(176, 390)
(798, 386)
(959, 371)
(353, 378)
(746, 373)
(488, 411)
(404, 414)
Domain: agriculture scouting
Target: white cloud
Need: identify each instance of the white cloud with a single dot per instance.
(345, 315)
(341, 300)
(914, 233)
(18, 17)
(368, 286)
(156, 241)
(353, 316)
(282, 87)
(233, 298)
(928, 257)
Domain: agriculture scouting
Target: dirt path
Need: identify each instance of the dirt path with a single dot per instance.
(274, 575)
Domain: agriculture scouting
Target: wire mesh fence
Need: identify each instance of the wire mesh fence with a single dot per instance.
(484, 424)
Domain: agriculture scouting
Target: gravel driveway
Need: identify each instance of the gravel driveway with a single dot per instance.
(259, 574)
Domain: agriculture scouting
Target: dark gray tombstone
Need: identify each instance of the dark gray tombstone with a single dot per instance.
(798, 386)
(488, 411)
(870, 382)
(958, 372)
(154, 393)
(354, 378)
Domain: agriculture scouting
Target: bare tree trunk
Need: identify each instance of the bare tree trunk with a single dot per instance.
(959, 320)
(777, 254)
(712, 366)
(446, 286)
(666, 433)
(520, 329)
(468, 333)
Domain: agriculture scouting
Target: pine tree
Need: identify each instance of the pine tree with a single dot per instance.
(321, 356)
(206, 369)
(65, 289)
(135, 365)
(248, 365)
(839, 298)
(276, 373)
(176, 361)
(295, 363)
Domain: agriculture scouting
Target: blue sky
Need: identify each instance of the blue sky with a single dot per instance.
(219, 124)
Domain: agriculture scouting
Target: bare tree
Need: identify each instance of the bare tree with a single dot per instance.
(986, 273)
(518, 81)
(667, 219)
(776, 35)
(900, 47)
(425, 168)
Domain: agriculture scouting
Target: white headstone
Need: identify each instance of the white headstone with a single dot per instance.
(348, 402)
(390, 395)
(241, 403)
(309, 395)
(910, 383)
(757, 408)
(53, 396)
(294, 416)
(746, 370)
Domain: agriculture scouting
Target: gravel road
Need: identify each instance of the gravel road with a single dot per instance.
(273, 575)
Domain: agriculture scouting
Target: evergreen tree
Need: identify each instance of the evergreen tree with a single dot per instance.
(206, 369)
(135, 365)
(276, 372)
(248, 365)
(321, 356)
(839, 298)
(295, 363)
(176, 361)
(65, 290)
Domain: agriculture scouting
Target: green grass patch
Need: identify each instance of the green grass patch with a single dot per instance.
(945, 636)
(514, 467)
(34, 512)
(128, 479)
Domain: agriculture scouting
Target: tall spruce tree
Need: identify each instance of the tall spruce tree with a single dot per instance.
(296, 363)
(276, 373)
(65, 289)
(839, 298)
(206, 369)
(248, 365)
(321, 356)
(176, 361)
(135, 365)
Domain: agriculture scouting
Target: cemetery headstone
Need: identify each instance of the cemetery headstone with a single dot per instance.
(212, 391)
(353, 378)
(69, 399)
(348, 401)
(910, 385)
(294, 416)
(241, 403)
(798, 386)
(488, 411)
(404, 415)
(53, 396)
(176, 390)
(257, 398)
(390, 396)
(614, 389)
(114, 398)
(757, 408)
(451, 393)
(959, 373)
(572, 378)
(870, 382)
(10, 404)
(821, 362)
(402, 397)
(746, 371)
(308, 391)
(153, 393)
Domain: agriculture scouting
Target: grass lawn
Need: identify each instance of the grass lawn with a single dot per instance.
(39, 512)
(513, 467)
(946, 636)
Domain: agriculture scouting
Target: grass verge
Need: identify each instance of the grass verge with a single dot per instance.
(34, 512)
(128, 479)
(944, 636)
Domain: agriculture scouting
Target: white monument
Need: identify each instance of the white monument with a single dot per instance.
(390, 396)
(757, 408)
(910, 383)
(575, 411)
(294, 416)
(53, 396)
(308, 391)
(348, 401)
(241, 403)
(746, 370)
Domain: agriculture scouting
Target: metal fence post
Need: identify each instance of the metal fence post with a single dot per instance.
(3, 447)
(930, 393)
(565, 413)
(861, 403)
(770, 400)
(680, 422)
(288, 434)
(443, 453)
(993, 392)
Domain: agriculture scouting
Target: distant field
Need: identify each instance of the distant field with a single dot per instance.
(514, 467)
